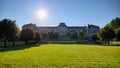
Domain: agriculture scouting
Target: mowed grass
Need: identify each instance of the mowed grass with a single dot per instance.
(62, 56)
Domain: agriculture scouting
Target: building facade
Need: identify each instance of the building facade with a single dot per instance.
(63, 29)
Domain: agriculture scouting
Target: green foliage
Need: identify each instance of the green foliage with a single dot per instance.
(62, 56)
(73, 35)
(53, 35)
(115, 23)
(106, 34)
(81, 34)
(15, 32)
(27, 34)
(94, 37)
(8, 30)
(43, 35)
(110, 30)
(117, 32)
(37, 37)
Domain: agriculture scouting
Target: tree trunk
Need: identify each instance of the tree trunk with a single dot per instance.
(13, 43)
(5, 43)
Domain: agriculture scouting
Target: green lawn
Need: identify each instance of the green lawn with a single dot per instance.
(62, 56)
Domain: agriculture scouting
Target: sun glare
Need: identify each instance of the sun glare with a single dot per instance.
(41, 14)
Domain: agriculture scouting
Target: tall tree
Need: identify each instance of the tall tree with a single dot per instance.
(26, 35)
(106, 34)
(14, 32)
(115, 23)
(117, 32)
(8, 30)
(37, 37)
(94, 37)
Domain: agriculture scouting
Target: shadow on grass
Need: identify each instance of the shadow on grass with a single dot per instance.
(99, 44)
(91, 44)
(110, 45)
(18, 47)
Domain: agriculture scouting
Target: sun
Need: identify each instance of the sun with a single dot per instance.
(41, 14)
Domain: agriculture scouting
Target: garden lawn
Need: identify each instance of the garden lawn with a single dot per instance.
(62, 56)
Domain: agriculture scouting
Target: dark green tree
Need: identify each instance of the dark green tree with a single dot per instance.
(115, 23)
(94, 37)
(73, 35)
(8, 31)
(37, 37)
(106, 34)
(27, 35)
(50, 34)
(56, 35)
(53, 34)
(117, 32)
(14, 33)
(43, 35)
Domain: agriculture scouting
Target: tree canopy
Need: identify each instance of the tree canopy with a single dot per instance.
(110, 31)
(94, 37)
(8, 30)
(27, 34)
(115, 23)
(73, 35)
(53, 34)
(106, 34)
(117, 32)
(37, 37)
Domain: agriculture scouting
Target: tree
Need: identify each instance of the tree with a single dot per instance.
(27, 35)
(14, 33)
(106, 34)
(94, 37)
(56, 35)
(43, 35)
(117, 32)
(73, 35)
(53, 34)
(115, 23)
(8, 30)
(37, 37)
(81, 34)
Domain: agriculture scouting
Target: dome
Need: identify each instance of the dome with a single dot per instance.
(62, 24)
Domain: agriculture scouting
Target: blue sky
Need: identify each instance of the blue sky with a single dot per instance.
(72, 12)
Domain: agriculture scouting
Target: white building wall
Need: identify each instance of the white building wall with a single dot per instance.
(63, 29)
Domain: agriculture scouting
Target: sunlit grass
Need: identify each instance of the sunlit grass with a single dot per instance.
(62, 55)
(115, 43)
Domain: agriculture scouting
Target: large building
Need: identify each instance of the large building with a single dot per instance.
(63, 29)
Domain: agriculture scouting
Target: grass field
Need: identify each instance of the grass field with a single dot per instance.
(62, 56)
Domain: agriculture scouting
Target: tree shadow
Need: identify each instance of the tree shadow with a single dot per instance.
(91, 44)
(110, 45)
(18, 47)
(23, 47)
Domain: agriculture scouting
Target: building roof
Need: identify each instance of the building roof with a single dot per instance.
(77, 27)
(61, 25)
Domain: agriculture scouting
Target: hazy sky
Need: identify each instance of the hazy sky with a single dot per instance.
(72, 12)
